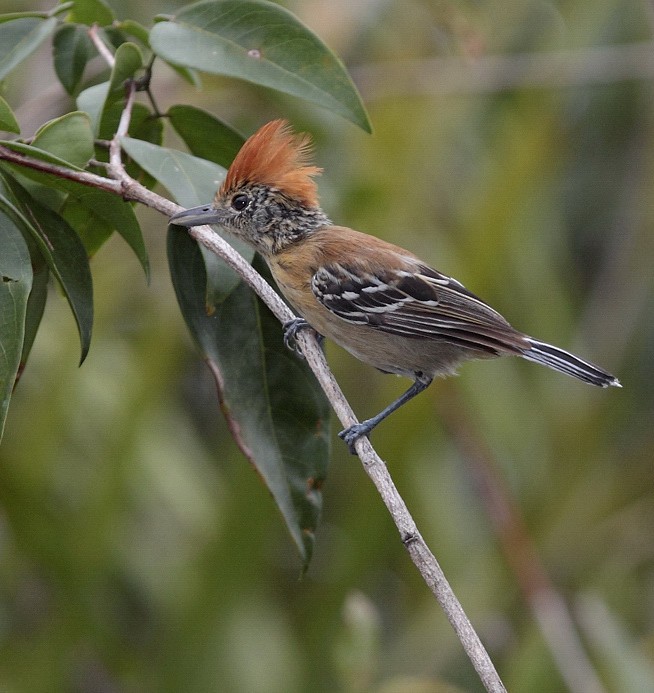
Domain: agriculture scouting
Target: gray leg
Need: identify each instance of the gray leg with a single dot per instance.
(291, 329)
(353, 433)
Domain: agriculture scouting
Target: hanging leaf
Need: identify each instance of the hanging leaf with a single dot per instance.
(62, 250)
(15, 285)
(262, 43)
(272, 401)
(91, 12)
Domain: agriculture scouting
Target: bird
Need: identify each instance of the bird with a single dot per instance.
(377, 300)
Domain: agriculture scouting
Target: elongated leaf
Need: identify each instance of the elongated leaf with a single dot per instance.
(35, 307)
(205, 135)
(262, 43)
(191, 181)
(15, 285)
(62, 250)
(72, 50)
(20, 38)
(8, 121)
(91, 12)
(270, 395)
(105, 206)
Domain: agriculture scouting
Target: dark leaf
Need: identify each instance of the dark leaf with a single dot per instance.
(262, 43)
(275, 408)
(104, 206)
(72, 50)
(35, 306)
(205, 135)
(15, 285)
(62, 250)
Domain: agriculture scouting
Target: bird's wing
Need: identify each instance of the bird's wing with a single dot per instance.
(416, 302)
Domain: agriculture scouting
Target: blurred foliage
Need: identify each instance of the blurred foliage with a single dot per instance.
(139, 552)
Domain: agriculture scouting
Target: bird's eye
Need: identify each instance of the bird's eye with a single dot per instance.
(240, 202)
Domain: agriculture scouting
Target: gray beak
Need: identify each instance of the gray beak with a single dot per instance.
(196, 216)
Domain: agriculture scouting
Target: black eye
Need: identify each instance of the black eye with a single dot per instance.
(240, 202)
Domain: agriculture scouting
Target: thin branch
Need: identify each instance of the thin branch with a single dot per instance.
(376, 469)
(101, 46)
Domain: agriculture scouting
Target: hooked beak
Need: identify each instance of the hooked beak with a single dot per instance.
(197, 216)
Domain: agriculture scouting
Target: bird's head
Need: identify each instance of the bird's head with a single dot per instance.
(268, 198)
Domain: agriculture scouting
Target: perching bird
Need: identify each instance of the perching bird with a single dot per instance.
(378, 301)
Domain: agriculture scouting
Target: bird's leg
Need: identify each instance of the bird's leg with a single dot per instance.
(291, 328)
(353, 433)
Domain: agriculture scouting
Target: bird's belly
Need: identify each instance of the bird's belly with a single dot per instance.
(392, 353)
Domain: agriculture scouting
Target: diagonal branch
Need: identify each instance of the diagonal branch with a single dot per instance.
(130, 189)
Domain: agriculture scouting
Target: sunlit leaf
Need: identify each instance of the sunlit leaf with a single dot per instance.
(276, 410)
(262, 43)
(21, 37)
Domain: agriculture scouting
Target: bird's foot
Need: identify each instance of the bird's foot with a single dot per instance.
(353, 433)
(291, 330)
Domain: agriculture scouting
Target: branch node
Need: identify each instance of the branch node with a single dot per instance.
(409, 538)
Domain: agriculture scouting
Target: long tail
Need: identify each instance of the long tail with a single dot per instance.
(562, 361)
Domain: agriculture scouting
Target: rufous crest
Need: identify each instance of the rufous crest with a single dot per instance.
(277, 157)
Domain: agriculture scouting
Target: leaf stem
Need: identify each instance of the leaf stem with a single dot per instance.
(101, 46)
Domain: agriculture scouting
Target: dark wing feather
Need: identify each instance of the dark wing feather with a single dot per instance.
(417, 302)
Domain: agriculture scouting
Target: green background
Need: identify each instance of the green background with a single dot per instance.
(138, 549)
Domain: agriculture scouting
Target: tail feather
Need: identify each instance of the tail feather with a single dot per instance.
(567, 363)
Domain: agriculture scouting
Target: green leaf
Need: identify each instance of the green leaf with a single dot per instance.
(21, 37)
(72, 50)
(15, 285)
(91, 12)
(191, 181)
(262, 43)
(8, 121)
(133, 28)
(69, 137)
(271, 398)
(97, 99)
(106, 207)
(92, 101)
(205, 135)
(62, 250)
(35, 306)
